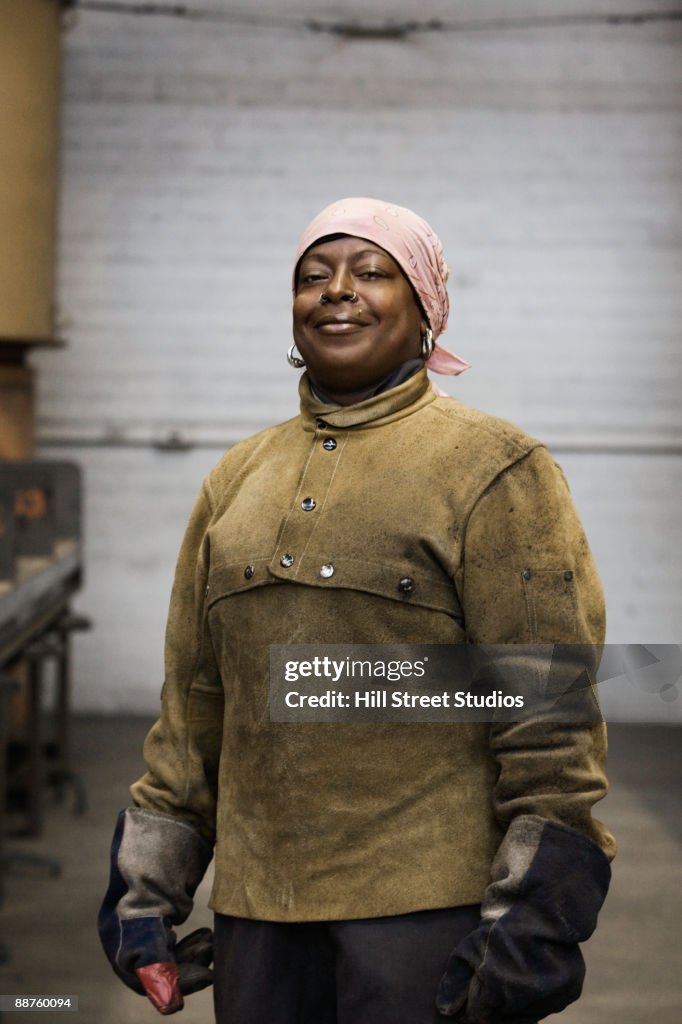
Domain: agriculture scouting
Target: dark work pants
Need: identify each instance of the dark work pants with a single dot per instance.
(373, 971)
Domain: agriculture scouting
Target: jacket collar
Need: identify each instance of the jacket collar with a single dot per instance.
(403, 400)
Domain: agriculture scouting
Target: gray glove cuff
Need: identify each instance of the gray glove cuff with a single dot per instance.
(161, 860)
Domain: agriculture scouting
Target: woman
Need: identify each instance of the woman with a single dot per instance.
(367, 874)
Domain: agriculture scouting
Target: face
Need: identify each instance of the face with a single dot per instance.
(368, 322)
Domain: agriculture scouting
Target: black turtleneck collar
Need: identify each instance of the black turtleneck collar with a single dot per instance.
(394, 378)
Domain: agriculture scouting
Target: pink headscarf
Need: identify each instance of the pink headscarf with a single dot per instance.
(413, 245)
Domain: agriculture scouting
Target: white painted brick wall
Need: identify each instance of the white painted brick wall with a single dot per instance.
(194, 152)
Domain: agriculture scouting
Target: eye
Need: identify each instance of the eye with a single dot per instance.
(312, 276)
(370, 275)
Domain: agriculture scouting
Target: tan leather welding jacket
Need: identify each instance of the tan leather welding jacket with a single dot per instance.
(316, 821)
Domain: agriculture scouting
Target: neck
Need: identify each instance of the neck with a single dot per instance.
(392, 380)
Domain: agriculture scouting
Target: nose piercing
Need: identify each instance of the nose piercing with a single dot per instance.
(324, 298)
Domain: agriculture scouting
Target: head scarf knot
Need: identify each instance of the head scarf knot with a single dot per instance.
(413, 245)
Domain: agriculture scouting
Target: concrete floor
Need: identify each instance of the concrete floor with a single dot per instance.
(634, 964)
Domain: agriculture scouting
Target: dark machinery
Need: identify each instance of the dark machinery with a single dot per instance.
(40, 570)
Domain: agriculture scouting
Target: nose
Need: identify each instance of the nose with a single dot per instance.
(339, 288)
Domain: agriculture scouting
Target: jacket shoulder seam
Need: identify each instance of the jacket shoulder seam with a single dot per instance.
(500, 429)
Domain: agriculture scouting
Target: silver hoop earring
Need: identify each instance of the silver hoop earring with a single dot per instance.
(324, 299)
(293, 360)
(353, 297)
(428, 344)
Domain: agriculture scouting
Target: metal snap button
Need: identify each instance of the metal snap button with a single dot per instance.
(308, 504)
(286, 561)
(326, 571)
(248, 572)
(322, 424)
(406, 585)
(527, 574)
(568, 575)
(329, 444)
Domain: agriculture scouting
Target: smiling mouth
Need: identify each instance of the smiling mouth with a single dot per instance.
(339, 324)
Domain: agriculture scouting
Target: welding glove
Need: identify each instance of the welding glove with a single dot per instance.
(523, 962)
(157, 863)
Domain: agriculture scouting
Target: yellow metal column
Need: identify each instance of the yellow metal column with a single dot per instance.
(29, 135)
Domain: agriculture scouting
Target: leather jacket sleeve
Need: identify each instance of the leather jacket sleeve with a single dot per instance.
(528, 577)
(182, 749)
